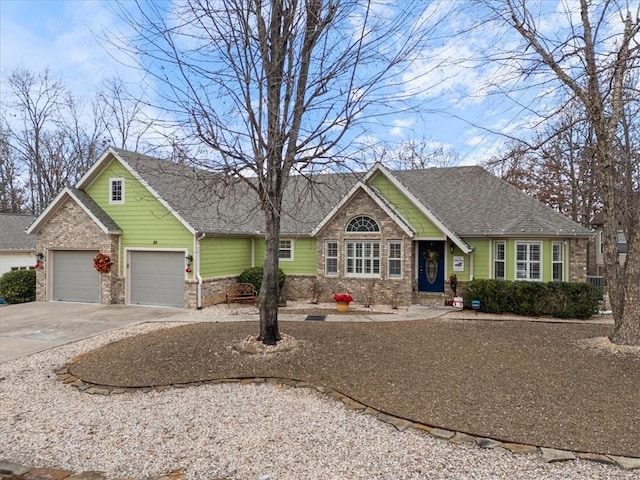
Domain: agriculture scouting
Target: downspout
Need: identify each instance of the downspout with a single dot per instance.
(198, 276)
(471, 259)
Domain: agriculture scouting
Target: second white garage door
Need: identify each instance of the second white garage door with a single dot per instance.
(156, 278)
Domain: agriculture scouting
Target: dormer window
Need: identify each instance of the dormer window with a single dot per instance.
(362, 223)
(116, 190)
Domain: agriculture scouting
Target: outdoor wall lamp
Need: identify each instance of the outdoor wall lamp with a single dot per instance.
(189, 259)
(39, 257)
(452, 247)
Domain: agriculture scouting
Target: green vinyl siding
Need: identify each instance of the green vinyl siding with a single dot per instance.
(224, 256)
(144, 221)
(304, 256)
(421, 224)
(481, 256)
(483, 267)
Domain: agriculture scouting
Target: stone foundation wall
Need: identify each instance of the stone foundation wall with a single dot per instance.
(213, 291)
(578, 259)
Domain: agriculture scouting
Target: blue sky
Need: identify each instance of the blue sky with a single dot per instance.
(65, 37)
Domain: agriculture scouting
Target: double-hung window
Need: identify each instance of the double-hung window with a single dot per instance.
(116, 190)
(557, 261)
(285, 251)
(499, 258)
(362, 258)
(528, 261)
(331, 257)
(394, 258)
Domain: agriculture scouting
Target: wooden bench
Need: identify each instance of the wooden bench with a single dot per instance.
(241, 292)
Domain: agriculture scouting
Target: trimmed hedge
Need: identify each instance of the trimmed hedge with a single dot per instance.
(535, 299)
(254, 277)
(18, 286)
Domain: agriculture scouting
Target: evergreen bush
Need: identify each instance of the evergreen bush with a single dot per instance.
(536, 299)
(254, 277)
(18, 286)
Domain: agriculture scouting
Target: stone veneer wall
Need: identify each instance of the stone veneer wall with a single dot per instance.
(578, 259)
(382, 290)
(70, 228)
(213, 291)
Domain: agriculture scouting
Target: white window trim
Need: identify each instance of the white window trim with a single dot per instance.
(561, 261)
(111, 182)
(494, 259)
(291, 249)
(327, 257)
(541, 261)
(362, 275)
(363, 232)
(394, 277)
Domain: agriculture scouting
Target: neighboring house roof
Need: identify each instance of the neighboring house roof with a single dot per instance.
(13, 235)
(87, 203)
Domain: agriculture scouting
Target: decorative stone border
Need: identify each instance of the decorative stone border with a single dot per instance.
(548, 455)
(10, 470)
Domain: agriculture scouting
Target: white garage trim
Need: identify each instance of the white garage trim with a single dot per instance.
(155, 277)
(72, 277)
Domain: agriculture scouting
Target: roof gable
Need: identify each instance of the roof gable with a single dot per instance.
(379, 200)
(423, 207)
(472, 202)
(90, 207)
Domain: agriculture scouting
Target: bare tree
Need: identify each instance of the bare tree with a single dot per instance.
(12, 192)
(122, 116)
(46, 130)
(593, 61)
(277, 87)
(416, 154)
(556, 167)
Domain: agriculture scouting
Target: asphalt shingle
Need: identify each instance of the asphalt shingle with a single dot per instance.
(12, 232)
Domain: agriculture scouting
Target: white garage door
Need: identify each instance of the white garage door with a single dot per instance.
(74, 278)
(157, 278)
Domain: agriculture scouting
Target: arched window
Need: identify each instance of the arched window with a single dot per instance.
(362, 223)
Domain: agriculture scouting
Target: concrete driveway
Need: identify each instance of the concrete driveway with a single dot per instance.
(32, 327)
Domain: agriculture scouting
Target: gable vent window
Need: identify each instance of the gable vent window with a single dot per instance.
(116, 190)
(362, 223)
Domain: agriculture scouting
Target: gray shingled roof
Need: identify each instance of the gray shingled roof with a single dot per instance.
(473, 202)
(96, 210)
(209, 204)
(12, 232)
(468, 200)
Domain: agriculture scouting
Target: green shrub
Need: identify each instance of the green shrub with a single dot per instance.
(18, 286)
(555, 299)
(254, 277)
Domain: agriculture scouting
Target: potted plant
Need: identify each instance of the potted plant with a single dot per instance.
(342, 301)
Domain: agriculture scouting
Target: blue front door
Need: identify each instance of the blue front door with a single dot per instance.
(431, 266)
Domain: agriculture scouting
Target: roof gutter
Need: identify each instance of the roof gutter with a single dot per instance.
(198, 276)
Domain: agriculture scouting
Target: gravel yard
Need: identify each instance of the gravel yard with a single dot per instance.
(270, 432)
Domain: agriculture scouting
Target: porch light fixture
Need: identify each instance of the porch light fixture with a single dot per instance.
(39, 257)
(189, 259)
(452, 247)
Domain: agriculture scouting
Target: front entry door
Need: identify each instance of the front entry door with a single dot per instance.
(431, 266)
